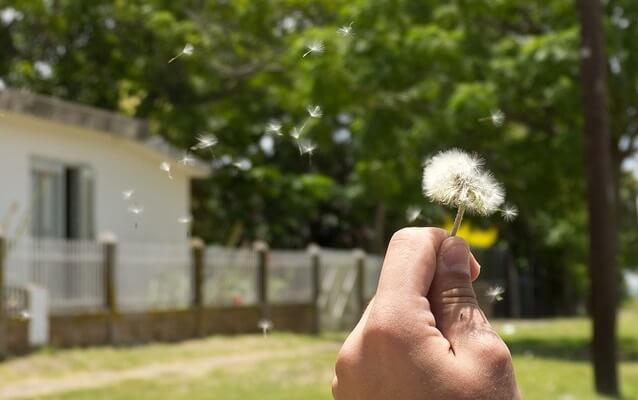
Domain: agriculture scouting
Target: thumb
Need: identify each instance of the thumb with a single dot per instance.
(452, 297)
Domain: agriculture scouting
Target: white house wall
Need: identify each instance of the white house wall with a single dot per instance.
(119, 164)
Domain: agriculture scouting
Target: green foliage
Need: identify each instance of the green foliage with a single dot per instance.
(415, 78)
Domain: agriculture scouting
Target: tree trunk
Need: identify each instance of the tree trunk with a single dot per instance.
(600, 194)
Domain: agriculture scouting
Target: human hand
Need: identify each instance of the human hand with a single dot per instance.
(423, 336)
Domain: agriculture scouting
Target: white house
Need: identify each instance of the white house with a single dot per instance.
(64, 168)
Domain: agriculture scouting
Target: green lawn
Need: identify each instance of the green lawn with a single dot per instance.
(550, 357)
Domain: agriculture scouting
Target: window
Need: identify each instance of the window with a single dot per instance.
(62, 200)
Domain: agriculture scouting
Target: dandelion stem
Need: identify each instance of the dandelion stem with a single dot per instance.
(458, 220)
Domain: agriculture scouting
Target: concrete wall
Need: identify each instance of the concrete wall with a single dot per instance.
(119, 164)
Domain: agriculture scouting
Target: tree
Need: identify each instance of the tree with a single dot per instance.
(601, 192)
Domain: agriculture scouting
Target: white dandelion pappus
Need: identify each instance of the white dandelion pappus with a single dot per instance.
(307, 147)
(186, 51)
(187, 160)
(497, 117)
(345, 30)
(185, 219)
(495, 293)
(127, 194)
(412, 213)
(243, 164)
(265, 325)
(295, 133)
(135, 209)
(457, 179)
(166, 167)
(274, 128)
(316, 46)
(314, 111)
(509, 213)
(205, 141)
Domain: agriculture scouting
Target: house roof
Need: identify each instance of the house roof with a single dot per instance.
(58, 110)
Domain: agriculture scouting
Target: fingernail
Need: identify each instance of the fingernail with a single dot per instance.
(455, 255)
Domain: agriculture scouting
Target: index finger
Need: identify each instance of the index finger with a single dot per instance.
(410, 262)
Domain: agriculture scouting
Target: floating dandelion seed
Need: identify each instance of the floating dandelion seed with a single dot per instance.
(508, 329)
(307, 147)
(295, 133)
(455, 178)
(166, 167)
(187, 160)
(186, 51)
(243, 164)
(509, 213)
(315, 46)
(497, 117)
(314, 111)
(265, 325)
(346, 30)
(24, 315)
(274, 128)
(495, 293)
(127, 194)
(135, 209)
(185, 220)
(412, 214)
(205, 141)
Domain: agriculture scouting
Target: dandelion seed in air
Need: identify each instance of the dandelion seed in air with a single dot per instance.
(166, 167)
(128, 194)
(314, 111)
(186, 51)
(295, 133)
(265, 325)
(497, 117)
(412, 213)
(205, 141)
(495, 293)
(307, 147)
(187, 219)
(315, 46)
(346, 30)
(243, 164)
(187, 160)
(274, 128)
(457, 179)
(135, 210)
(509, 213)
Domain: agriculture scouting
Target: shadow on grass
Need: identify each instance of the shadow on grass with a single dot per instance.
(562, 348)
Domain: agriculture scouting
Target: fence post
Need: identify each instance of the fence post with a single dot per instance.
(315, 264)
(360, 257)
(262, 278)
(197, 301)
(3, 322)
(109, 248)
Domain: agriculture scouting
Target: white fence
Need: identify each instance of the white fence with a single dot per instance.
(160, 276)
(71, 271)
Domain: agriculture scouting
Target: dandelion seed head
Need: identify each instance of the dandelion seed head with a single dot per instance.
(455, 178)
(205, 141)
(316, 46)
(497, 117)
(127, 194)
(314, 111)
(495, 293)
(345, 30)
(509, 213)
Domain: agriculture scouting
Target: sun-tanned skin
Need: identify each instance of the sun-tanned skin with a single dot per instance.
(423, 336)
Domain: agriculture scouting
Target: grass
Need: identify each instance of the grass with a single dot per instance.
(550, 357)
